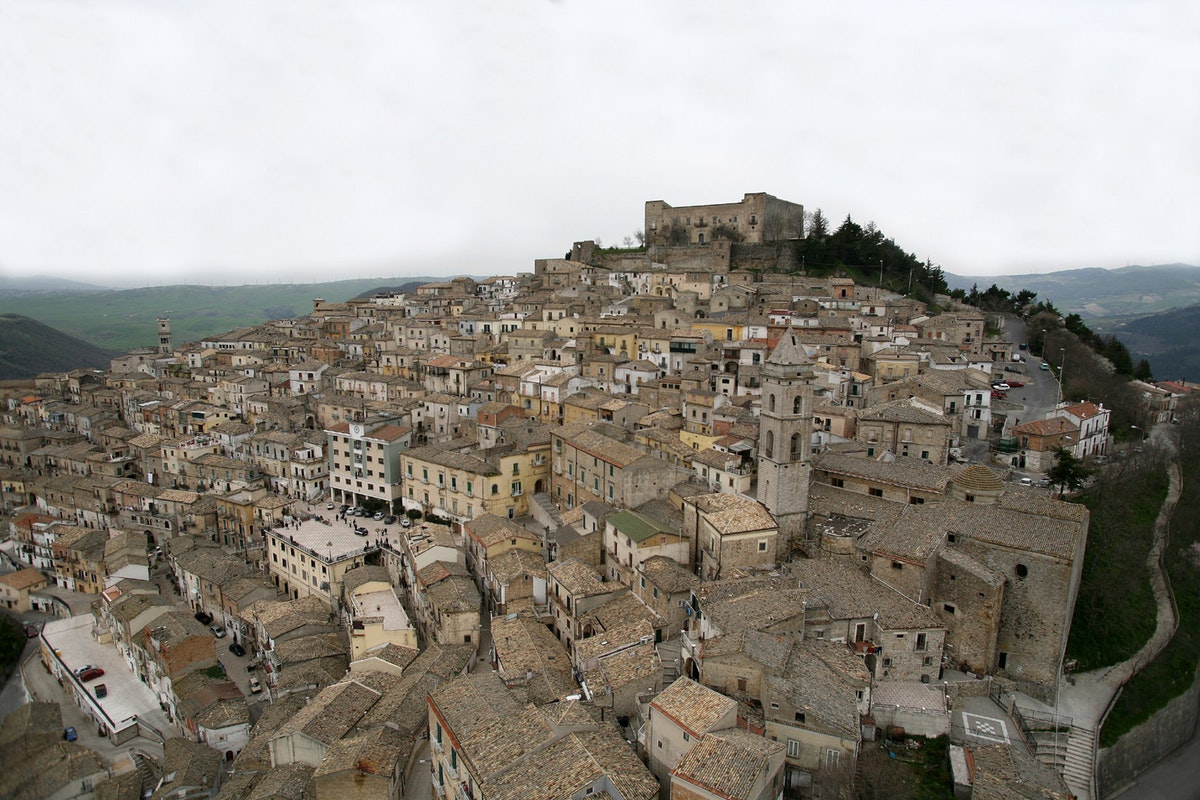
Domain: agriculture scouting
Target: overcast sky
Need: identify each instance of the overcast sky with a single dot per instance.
(162, 142)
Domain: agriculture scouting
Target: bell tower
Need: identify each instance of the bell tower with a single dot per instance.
(785, 435)
(164, 336)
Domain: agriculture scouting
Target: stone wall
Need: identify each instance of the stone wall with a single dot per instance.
(1143, 747)
(769, 257)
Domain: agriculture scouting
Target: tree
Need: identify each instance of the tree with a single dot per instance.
(1142, 371)
(818, 225)
(676, 233)
(1068, 471)
(729, 232)
(640, 235)
(774, 226)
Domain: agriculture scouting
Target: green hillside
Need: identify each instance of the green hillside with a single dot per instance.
(124, 319)
(1102, 293)
(28, 347)
(1167, 341)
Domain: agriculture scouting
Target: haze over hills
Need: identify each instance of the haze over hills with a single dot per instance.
(38, 284)
(28, 347)
(123, 319)
(1096, 293)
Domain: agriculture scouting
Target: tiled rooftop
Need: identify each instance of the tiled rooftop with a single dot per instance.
(693, 706)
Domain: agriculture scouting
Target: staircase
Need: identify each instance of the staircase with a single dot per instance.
(1067, 748)
(149, 769)
(545, 512)
(1080, 763)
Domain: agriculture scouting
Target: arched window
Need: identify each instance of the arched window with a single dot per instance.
(796, 406)
(797, 444)
(770, 445)
(771, 403)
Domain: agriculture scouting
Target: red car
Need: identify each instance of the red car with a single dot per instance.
(1014, 384)
(91, 674)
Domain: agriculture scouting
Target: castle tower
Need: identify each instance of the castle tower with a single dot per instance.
(785, 435)
(164, 336)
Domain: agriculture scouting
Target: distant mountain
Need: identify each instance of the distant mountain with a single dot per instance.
(28, 347)
(124, 319)
(40, 284)
(1098, 293)
(1166, 340)
(403, 288)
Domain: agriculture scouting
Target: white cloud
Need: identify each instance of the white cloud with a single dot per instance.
(312, 138)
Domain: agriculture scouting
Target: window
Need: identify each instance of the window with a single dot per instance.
(793, 748)
(875, 492)
(831, 758)
(897, 565)
(762, 546)
(800, 717)
(948, 608)
(837, 482)
(1022, 570)
(921, 642)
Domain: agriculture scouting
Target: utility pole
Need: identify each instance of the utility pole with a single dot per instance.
(1062, 363)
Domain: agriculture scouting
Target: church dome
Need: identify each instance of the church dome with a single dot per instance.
(976, 483)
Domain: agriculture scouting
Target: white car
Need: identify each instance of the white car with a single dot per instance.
(1001, 386)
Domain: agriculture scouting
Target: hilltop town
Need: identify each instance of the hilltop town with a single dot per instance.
(666, 521)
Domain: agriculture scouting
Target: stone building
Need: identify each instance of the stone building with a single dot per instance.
(758, 217)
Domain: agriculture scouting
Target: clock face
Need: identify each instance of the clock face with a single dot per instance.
(356, 430)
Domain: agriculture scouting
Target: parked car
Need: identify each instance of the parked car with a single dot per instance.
(100, 690)
(90, 674)
(1026, 481)
(237, 649)
(218, 631)
(329, 506)
(69, 734)
(31, 631)
(1015, 384)
(405, 522)
(1001, 386)
(389, 519)
(360, 530)
(202, 618)
(1044, 365)
(255, 685)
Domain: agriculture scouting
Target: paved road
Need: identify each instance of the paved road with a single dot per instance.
(33, 679)
(1176, 777)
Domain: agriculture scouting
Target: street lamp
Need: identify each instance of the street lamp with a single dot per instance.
(1062, 362)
